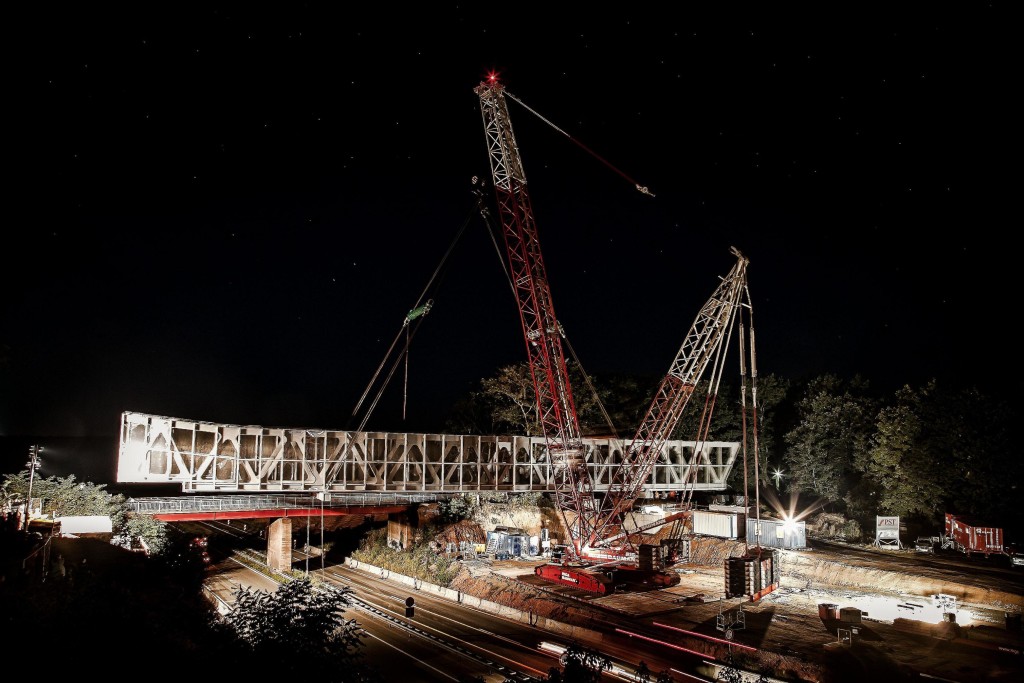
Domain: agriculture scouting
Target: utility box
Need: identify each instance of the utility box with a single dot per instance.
(828, 611)
(850, 615)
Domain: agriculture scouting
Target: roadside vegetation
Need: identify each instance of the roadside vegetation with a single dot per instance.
(67, 497)
(421, 561)
(76, 603)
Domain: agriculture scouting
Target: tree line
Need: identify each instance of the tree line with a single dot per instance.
(833, 444)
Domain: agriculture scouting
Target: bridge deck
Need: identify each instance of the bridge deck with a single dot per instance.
(185, 508)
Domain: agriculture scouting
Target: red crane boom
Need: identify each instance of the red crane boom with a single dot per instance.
(541, 330)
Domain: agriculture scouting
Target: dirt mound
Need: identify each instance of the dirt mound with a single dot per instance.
(465, 531)
(511, 592)
(832, 525)
(708, 551)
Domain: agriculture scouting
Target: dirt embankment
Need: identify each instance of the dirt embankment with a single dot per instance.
(839, 567)
(882, 575)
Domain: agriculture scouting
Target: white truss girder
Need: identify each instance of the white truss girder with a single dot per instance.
(206, 456)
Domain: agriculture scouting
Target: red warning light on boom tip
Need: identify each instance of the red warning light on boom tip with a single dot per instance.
(492, 77)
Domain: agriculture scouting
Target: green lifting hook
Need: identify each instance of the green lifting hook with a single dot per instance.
(417, 312)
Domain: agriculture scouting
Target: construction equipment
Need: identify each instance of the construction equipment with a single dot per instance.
(600, 551)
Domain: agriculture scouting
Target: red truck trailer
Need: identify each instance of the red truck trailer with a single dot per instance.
(965, 534)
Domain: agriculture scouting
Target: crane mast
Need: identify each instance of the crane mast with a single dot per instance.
(541, 329)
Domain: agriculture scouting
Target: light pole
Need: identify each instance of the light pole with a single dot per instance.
(33, 465)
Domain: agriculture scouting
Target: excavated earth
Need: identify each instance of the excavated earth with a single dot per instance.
(903, 615)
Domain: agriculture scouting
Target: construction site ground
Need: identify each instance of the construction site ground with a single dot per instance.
(891, 624)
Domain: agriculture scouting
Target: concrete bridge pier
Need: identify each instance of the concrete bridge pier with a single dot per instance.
(406, 528)
(279, 544)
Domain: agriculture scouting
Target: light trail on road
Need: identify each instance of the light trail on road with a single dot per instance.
(511, 665)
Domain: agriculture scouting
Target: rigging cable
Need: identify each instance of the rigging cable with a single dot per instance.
(640, 188)
(417, 314)
(485, 212)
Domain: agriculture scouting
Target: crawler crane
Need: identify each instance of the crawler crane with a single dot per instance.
(599, 548)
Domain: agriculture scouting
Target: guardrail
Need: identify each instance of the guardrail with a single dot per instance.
(264, 501)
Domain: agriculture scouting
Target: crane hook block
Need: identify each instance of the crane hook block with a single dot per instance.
(417, 312)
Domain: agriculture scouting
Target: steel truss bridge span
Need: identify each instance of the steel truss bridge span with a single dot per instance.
(211, 457)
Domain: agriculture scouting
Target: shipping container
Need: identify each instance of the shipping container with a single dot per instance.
(965, 534)
(743, 513)
(775, 533)
(719, 524)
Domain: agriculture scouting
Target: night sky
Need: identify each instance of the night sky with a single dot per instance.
(224, 213)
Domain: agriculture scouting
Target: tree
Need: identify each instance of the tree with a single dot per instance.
(910, 480)
(150, 531)
(969, 433)
(455, 508)
(643, 674)
(512, 400)
(623, 397)
(939, 449)
(730, 673)
(302, 627)
(727, 423)
(580, 665)
(826, 450)
(67, 496)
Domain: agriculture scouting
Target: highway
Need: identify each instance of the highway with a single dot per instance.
(443, 641)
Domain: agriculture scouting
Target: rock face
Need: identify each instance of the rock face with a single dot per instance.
(531, 519)
(466, 531)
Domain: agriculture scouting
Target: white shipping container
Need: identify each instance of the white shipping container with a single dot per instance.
(742, 515)
(774, 533)
(719, 524)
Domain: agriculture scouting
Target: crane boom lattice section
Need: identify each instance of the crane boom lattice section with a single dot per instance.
(541, 330)
(704, 345)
